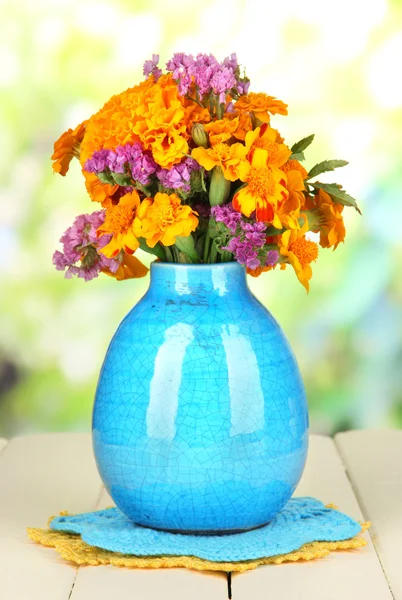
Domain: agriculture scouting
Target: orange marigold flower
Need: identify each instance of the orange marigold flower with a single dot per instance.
(163, 218)
(221, 130)
(263, 141)
(300, 252)
(231, 159)
(261, 104)
(257, 272)
(152, 113)
(130, 268)
(325, 216)
(264, 193)
(66, 147)
(119, 220)
(99, 192)
(294, 165)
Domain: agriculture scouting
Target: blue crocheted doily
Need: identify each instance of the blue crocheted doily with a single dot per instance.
(303, 520)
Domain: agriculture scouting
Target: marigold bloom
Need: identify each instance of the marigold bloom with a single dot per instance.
(261, 104)
(300, 252)
(119, 222)
(162, 219)
(264, 192)
(327, 219)
(263, 141)
(231, 159)
(66, 147)
(290, 209)
(98, 191)
(130, 268)
(152, 113)
(221, 130)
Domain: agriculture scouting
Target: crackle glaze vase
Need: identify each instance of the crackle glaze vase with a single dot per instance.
(200, 420)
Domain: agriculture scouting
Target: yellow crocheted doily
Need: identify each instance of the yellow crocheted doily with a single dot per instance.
(72, 548)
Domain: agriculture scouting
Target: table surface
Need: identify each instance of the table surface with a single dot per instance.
(359, 471)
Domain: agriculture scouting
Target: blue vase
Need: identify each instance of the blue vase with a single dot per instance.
(200, 420)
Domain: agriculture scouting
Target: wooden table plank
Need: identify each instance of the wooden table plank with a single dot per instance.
(346, 575)
(374, 463)
(39, 476)
(146, 584)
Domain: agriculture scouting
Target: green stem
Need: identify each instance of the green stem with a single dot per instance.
(175, 253)
(214, 253)
(169, 256)
(195, 100)
(206, 246)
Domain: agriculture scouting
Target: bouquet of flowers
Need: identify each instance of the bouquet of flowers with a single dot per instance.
(187, 166)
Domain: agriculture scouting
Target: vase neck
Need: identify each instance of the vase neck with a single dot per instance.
(204, 282)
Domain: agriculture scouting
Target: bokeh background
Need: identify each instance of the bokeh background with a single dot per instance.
(338, 67)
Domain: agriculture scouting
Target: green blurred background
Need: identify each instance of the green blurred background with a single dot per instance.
(337, 66)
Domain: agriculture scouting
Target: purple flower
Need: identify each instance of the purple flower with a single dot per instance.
(151, 67)
(130, 157)
(248, 240)
(231, 62)
(117, 159)
(244, 252)
(98, 162)
(178, 177)
(227, 215)
(80, 244)
(221, 82)
(272, 258)
(207, 73)
(243, 87)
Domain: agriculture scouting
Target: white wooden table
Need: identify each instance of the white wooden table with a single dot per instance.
(359, 471)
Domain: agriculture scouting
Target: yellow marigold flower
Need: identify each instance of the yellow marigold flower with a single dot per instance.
(325, 216)
(261, 104)
(300, 252)
(99, 192)
(264, 193)
(119, 222)
(130, 268)
(290, 209)
(66, 147)
(263, 141)
(221, 130)
(163, 218)
(231, 159)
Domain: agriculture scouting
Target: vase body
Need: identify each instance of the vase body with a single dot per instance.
(200, 420)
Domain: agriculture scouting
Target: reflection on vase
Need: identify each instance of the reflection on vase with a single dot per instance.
(200, 420)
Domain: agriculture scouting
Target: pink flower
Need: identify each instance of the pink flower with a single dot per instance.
(80, 255)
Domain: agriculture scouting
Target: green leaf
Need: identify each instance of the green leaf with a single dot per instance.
(302, 144)
(337, 194)
(297, 156)
(325, 166)
(157, 250)
(106, 177)
(122, 179)
(186, 245)
(273, 231)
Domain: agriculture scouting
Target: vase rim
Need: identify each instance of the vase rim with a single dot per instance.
(156, 264)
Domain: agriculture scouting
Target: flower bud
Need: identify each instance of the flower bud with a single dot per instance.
(199, 135)
(219, 188)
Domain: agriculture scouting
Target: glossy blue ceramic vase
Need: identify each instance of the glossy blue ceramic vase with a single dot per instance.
(200, 420)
